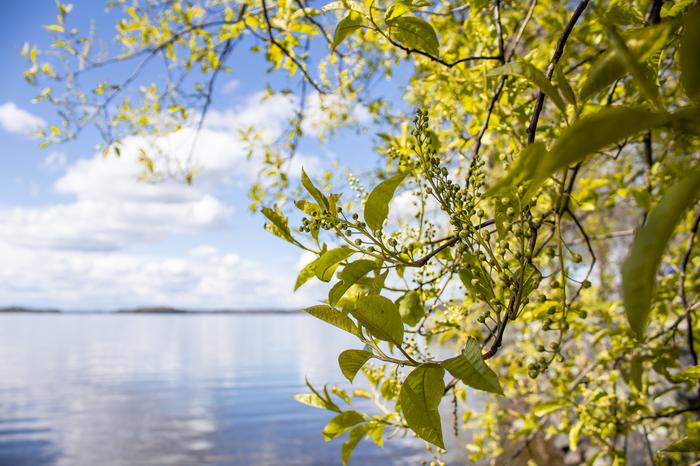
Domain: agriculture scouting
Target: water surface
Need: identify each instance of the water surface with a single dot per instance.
(87, 390)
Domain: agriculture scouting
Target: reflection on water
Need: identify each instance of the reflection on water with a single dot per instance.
(171, 390)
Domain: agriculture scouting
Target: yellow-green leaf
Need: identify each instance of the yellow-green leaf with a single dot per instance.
(341, 423)
(328, 262)
(414, 33)
(377, 205)
(534, 76)
(346, 26)
(333, 317)
(351, 361)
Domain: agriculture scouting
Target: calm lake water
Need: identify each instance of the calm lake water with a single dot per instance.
(88, 390)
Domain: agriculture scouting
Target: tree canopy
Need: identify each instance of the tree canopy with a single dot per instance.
(551, 172)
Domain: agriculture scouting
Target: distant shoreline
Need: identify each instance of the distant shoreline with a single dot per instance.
(146, 311)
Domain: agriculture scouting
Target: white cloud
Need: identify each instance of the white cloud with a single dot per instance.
(15, 120)
(55, 161)
(112, 208)
(87, 251)
(203, 278)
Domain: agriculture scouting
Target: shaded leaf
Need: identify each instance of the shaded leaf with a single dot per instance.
(689, 52)
(377, 204)
(470, 368)
(414, 33)
(687, 444)
(411, 308)
(341, 423)
(333, 317)
(420, 397)
(643, 261)
(633, 67)
(534, 76)
(351, 361)
(346, 26)
(380, 317)
(566, 91)
(642, 44)
(350, 275)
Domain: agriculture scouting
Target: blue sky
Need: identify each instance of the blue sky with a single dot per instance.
(77, 231)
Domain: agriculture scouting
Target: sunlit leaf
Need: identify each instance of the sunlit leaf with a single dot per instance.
(534, 76)
(278, 224)
(313, 190)
(644, 258)
(328, 262)
(420, 397)
(377, 204)
(341, 423)
(354, 438)
(351, 361)
(333, 317)
(350, 275)
(470, 368)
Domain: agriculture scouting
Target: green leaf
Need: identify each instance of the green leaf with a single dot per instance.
(377, 204)
(534, 76)
(401, 7)
(691, 373)
(524, 167)
(317, 400)
(640, 267)
(414, 33)
(278, 224)
(313, 190)
(411, 308)
(689, 52)
(574, 435)
(419, 398)
(586, 136)
(346, 26)
(353, 439)
(687, 444)
(333, 317)
(548, 407)
(351, 361)
(350, 275)
(341, 423)
(636, 372)
(380, 317)
(329, 261)
(306, 273)
(470, 368)
(638, 72)
(642, 44)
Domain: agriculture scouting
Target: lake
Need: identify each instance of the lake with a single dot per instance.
(87, 390)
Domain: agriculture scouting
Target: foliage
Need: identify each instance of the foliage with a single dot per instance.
(547, 134)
